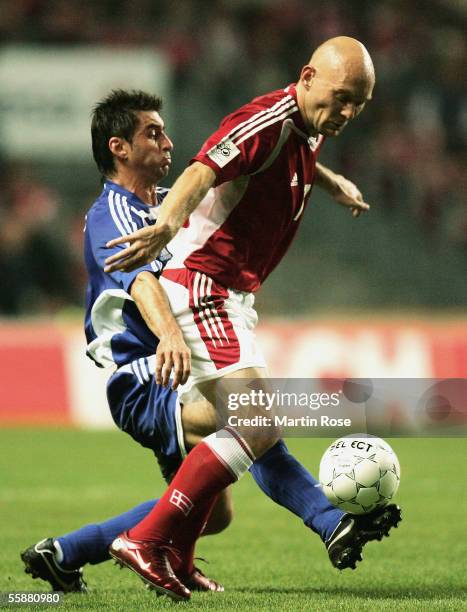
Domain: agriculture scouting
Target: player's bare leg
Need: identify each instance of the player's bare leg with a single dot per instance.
(199, 419)
(259, 438)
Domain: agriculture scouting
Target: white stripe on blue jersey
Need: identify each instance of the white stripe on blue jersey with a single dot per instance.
(136, 371)
(114, 211)
(115, 330)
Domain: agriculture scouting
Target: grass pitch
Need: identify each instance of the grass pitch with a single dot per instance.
(53, 481)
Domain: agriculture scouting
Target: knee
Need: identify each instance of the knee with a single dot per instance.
(219, 520)
(262, 443)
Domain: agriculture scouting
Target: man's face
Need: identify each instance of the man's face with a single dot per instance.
(150, 148)
(330, 104)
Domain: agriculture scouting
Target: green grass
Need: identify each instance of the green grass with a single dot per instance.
(55, 481)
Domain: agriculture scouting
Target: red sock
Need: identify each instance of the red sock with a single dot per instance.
(209, 468)
(184, 543)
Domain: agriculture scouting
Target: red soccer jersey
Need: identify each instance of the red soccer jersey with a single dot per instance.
(265, 167)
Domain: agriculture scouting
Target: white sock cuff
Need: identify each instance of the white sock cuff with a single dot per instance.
(58, 552)
(234, 452)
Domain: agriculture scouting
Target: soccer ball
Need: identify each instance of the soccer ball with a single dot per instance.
(359, 474)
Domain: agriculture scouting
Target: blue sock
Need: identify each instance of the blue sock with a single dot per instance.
(90, 544)
(289, 484)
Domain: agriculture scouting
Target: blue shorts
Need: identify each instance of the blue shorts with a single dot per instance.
(148, 412)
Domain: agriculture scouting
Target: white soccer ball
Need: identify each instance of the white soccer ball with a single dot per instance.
(359, 474)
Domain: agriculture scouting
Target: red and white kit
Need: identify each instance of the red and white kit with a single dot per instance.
(265, 167)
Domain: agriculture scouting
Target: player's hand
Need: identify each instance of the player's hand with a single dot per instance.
(144, 246)
(172, 354)
(347, 194)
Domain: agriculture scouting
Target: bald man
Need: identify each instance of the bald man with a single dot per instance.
(230, 218)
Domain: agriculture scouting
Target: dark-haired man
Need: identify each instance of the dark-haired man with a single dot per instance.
(129, 325)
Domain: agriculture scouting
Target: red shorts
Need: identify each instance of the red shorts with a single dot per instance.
(217, 324)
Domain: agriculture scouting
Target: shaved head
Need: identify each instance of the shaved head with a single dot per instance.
(343, 56)
(335, 85)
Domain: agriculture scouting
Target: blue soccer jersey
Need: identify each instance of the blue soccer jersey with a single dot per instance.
(117, 334)
(115, 330)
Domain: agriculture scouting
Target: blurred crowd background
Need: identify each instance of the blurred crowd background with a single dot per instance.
(407, 152)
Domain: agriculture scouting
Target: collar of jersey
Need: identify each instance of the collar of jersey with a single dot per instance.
(297, 116)
(130, 196)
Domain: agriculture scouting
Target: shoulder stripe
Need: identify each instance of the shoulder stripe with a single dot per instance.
(142, 214)
(126, 208)
(257, 116)
(121, 213)
(265, 118)
(114, 214)
(285, 114)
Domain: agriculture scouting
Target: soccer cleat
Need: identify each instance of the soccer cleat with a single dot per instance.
(354, 531)
(151, 564)
(39, 561)
(197, 581)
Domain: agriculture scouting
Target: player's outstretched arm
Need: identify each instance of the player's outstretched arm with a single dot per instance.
(172, 352)
(147, 243)
(341, 189)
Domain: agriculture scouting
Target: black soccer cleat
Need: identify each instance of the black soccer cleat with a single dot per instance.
(39, 561)
(354, 531)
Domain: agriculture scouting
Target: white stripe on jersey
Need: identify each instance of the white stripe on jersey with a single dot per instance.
(121, 213)
(285, 114)
(115, 216)
(257, 116)
(135, 370)
(142, 214)
(128, 214)
(144, 371)
(265, 120)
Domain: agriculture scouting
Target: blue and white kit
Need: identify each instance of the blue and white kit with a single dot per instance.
(117, 334)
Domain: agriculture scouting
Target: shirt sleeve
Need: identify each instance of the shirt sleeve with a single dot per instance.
(102, 225)
(241, 145)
